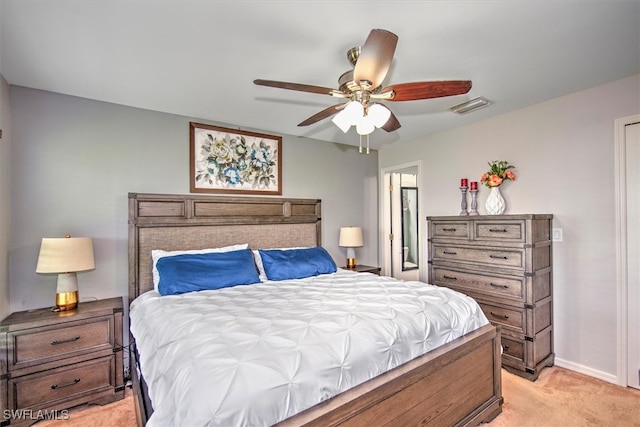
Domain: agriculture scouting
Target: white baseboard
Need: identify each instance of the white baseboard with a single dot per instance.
(587, 371)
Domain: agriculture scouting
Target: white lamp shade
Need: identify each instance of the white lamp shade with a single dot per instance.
(65, 255)
(351, 237)
(379, 114)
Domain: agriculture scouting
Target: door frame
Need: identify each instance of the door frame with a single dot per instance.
(384, 255)
(622, 283)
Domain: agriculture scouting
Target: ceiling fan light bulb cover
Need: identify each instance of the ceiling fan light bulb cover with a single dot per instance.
(354, 111)
(342, 120)
(365, 126)
(379, 114)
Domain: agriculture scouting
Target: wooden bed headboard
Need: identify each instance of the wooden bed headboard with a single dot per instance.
(181, 222)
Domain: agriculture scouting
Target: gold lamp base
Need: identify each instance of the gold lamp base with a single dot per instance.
(66, 300)
(351, 263)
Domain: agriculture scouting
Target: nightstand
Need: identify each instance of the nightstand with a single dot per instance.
(364, 269)
(52, 361)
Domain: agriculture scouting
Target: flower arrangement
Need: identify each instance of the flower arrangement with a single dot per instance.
(499, 171)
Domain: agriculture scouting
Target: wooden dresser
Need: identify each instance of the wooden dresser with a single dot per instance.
(51, 361)
(505, 263)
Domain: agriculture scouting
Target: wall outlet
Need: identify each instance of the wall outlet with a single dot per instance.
(556, 234)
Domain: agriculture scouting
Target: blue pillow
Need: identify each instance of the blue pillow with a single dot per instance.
(197, 272)
(296, 263)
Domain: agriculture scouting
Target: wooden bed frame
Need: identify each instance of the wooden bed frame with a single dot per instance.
(458, 383)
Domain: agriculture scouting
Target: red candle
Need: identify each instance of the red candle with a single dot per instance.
(474, 185)
(463, 182)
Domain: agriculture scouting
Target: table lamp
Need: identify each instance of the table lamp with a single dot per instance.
(350, 238)
(66, 256)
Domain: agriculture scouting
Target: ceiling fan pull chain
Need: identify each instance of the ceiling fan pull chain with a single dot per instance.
(367, 143)
(360, 147)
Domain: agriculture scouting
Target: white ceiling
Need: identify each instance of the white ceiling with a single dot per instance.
(199, 58)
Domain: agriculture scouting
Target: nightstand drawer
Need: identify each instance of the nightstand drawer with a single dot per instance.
(34, 346)
(47, 388)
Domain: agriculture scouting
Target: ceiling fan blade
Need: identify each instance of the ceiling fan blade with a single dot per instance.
(427, 90)
(327, 112)
(392, 124)
(375, 57)
(295, 86)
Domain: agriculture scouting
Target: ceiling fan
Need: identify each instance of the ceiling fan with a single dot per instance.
(361, 88)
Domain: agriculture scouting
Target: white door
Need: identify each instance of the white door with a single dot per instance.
(392, 251)
(632, 155)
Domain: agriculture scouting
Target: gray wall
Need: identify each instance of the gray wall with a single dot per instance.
(563, 151)
(5, 200)
(74, 160)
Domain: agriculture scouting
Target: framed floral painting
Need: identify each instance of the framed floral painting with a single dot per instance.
(233, 161)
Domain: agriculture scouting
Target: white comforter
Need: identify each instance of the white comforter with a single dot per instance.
(255, 355)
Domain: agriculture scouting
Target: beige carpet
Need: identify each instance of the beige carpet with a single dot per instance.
(565, 398)
(559, 398)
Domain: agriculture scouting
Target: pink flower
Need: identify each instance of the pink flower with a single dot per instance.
(494, 181)
(511, 176)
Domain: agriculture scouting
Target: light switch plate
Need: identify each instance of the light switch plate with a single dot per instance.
(556, 235)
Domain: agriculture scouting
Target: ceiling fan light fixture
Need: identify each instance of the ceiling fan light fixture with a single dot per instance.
(343, 121)
(354, 111)
(471, 105)
(365, 126)
(379, 114)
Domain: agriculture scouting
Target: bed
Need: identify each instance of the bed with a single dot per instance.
(456, 383)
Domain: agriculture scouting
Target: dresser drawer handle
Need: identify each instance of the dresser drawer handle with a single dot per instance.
(497, 230)
(506, 348)
(498, 285)
(76, 338)
(450, 253)
(498, 257)
(74, 382)
(450, 277)
(448, 229)
(499, 316)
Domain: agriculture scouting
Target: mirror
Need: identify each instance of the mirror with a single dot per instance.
(410, 222)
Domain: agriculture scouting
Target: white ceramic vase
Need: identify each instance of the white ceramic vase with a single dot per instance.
(495, 204)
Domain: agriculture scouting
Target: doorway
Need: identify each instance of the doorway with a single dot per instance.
(627, 151)
(400, 199)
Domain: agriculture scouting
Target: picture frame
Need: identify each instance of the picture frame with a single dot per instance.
(224, 160)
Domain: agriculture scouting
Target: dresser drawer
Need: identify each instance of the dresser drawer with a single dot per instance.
(476, 283)
(491, 257)
(511, 318)
(513, 348)
(39, 345)
(512, 231)
(46, 388)
(458, 229)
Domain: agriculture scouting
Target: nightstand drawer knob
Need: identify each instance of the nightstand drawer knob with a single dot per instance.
(498, 257)
(449, 229)
(497, 230)
(76, 338)
(74, 382)
(450, 277)
(450, 253)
